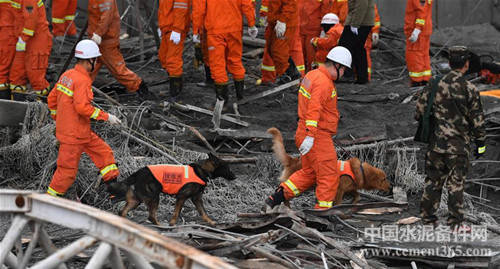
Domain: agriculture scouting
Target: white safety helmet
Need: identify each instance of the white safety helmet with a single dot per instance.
(87, 49)
(330, 18)
(340, 55)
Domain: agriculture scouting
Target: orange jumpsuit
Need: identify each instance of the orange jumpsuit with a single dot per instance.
(268, 69)
(104, 20)
(311, 12)
(368, 43)
(340, 8)
(174, 177)
(9, 13)
(32, 64)
(278, 50)
(69, 104)
(223, 21)
(63, 16)
(173, 15)
(418, 15)
(325, 44)
(318, 118)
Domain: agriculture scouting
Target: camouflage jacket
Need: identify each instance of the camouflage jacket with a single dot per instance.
(458, 114)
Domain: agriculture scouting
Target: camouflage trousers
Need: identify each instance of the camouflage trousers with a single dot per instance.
(440, 169)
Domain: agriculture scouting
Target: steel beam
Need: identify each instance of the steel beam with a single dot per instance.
(116, 231)
(15, 230)
(100, 256)
(66, 253)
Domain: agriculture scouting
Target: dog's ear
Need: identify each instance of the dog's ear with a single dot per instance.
(214, 158)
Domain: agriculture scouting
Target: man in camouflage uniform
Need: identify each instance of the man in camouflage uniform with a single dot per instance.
(458, 116)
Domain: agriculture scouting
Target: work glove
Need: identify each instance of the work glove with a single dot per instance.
(96, 38)
(175, 37)
(112, 119)
(253, 31)
(314, 41)
(375, 38)
(480, 149)
(414, 35)
(354, 30)
(263, 21)
(280, 29)
(159, 32)
(20, 45)
(196, 38)
(306, 145)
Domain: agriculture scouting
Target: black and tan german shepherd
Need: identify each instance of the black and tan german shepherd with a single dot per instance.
(142, 186)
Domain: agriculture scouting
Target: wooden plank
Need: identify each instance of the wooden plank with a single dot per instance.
(243, 134)
(269, 92)
(253, 53)
(254, 42)
(208, 112)
(12, 112)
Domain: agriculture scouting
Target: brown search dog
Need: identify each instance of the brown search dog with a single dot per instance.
(366, 176)
(143, 186)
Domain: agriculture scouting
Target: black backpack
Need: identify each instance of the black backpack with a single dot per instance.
(427, 122)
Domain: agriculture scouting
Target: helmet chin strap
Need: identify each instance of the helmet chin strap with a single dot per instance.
(337, 69)
(92, 63)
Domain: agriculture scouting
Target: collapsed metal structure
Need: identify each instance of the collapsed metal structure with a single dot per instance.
(140, 246)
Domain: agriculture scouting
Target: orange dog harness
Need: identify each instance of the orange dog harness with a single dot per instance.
(345, 168)
(174, 177)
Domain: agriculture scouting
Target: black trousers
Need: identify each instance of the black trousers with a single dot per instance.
(356, 45)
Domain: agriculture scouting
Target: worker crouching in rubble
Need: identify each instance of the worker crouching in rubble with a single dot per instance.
(70, 106)
(458, 115)
(318, 119)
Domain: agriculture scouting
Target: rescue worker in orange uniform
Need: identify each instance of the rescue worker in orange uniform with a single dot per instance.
(372, 40)
(296, 59)
(174, 177)
(9, 13)
(418, 30)
(223, 21)
(104, 30)
(323, 45)
(318, 119)
(63, 16)
(282, 22)
(33, 47)
(311, 13)
(340, 8)
(174, 22)
(70, 106)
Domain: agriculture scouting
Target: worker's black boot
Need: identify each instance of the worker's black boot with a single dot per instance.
(273, 200)
(4, 91)
(175, 87)
(292, 70)
(144, 92)
(222, 94)
(18, 92)
(239, 86)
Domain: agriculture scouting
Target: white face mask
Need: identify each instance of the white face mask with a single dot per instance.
(323, 34)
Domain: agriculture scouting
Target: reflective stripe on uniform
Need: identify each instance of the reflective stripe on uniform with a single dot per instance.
(420, 21)
(301, 67)
(17, 88)
(95, 114)
(29, 32)
(180, 5)
(377, 23)
(369, 70)
(20, 46)
(292, 187)
(268, 68)
(54, 192)
(334, 93)
(420, 74)
(64, 90)
(305, 93)
(311, 123)
(264, 9)
(57, 20)
(108, 168)
(481, 150)
(69, 17)
(53, 112)
(40, 3)
(3, 86)
(15, 4)
(325, 203)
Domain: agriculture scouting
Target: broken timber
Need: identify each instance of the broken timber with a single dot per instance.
(269, 92)
(254, 42)
(208, 112)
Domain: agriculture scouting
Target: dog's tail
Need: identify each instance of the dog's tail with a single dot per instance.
(279, 147)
